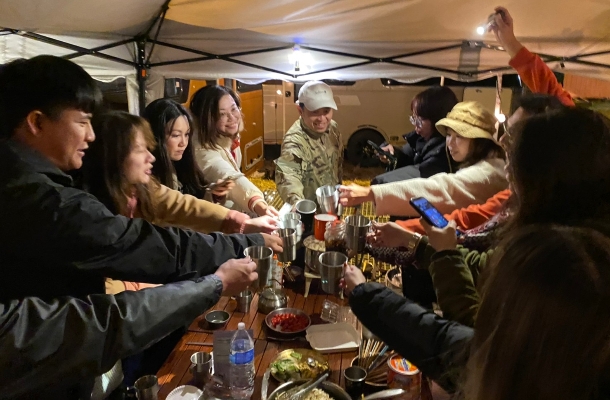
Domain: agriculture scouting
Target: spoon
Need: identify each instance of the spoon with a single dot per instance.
(311, 362)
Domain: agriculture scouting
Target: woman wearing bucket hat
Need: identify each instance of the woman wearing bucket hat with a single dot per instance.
(469, 130)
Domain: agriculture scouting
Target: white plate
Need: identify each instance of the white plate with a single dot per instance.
(333, 338)
(185, 392)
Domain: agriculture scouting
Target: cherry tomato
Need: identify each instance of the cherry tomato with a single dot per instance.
(289, 322)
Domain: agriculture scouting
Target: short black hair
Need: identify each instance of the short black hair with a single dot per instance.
(434, 104)
(537, 103)
(46, 83)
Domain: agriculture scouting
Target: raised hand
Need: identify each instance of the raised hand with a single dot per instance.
(389, 234)
(236, 275)
(352, 195)
(441, 238)
(264, 224)
(503, 28)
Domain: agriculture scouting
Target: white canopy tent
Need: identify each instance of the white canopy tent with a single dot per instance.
(406, 40)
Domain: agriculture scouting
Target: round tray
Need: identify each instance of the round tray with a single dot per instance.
(280, 311)
(288, 354)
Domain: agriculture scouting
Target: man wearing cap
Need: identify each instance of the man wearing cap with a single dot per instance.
(312, 151)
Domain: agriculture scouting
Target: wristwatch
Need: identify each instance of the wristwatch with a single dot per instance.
(413, 242)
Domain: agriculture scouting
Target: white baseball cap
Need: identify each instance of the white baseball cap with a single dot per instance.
(316, 95)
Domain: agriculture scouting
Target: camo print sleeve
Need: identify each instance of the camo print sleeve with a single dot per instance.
(289, 173)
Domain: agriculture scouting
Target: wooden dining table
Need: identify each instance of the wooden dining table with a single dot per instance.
(175, 371)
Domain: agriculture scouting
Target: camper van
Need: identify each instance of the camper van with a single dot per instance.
(374, 109)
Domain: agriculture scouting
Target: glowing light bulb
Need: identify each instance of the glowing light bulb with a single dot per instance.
(500, 117)
(301, 60)
(279, 92)
(481, 30)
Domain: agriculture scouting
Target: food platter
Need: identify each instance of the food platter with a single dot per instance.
(291, 364)
(272, 318)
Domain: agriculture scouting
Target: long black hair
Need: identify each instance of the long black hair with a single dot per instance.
(162, 114)
(205, 108)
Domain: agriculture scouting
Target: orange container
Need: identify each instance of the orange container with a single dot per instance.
(319, 226)
(404, 375)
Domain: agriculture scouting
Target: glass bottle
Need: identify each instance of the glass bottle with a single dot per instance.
(334, 237)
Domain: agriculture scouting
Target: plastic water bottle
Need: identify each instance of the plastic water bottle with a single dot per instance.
(241, 358)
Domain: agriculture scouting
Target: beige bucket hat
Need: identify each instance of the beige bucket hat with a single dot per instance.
(469, 119)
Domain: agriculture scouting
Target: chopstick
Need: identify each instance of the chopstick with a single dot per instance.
(199, 344)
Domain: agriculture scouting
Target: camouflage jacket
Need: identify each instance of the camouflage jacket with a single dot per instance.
(308, 160)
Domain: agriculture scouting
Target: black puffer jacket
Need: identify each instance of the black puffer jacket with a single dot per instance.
(418, 159)
(439, 348)
(58, 241)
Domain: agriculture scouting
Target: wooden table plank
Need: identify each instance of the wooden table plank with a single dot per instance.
(175, 371)
(199, 325)
(271, 350)
(172, 372)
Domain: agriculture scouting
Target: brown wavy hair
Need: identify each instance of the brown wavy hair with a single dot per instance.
(543, 328)
(103, 166)
(560, 167)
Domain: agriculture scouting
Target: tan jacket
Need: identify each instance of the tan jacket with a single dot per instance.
(218, 163)
(173, 208)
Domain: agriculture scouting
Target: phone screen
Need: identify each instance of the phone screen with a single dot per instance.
(429, 212)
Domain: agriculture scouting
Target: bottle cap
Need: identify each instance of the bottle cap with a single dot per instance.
(241, 326)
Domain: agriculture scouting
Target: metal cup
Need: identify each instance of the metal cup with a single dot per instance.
(289, 216)
(201, 368)
(331, 271)
(293, 223)
(354, 381)
(147, 387)
(289, 243)
(356, 229)
(306, 209)
(262, 256)
(244, 299)
(328, 199)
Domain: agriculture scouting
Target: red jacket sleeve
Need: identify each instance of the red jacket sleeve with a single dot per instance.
(538, 76)
(466, 218)
(477, 214)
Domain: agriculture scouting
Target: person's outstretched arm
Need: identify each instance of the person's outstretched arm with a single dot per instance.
(61, 342)
(533, 71)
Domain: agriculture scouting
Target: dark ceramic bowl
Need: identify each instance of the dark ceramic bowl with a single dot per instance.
(217, 319)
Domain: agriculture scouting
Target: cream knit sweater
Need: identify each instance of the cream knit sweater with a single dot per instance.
(447, 192)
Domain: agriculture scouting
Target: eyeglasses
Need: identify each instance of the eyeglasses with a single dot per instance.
(235, 113)
(416, 121)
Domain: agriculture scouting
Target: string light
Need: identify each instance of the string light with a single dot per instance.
(302, 60)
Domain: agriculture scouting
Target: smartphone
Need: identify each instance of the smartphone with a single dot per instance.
(379, 150)
(215, 185)
(429, 212)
